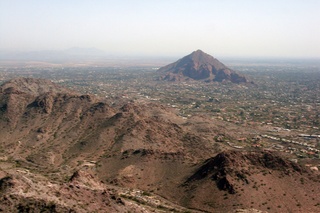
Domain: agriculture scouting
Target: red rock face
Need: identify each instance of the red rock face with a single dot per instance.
(200, 66)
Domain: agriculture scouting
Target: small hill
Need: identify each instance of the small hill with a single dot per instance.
(261, 180)
(200, 66)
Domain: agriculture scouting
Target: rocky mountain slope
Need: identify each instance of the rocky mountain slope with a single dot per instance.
(80, 125)
(200, 66)
(53, 131)
(139, 157)
(24, 191)
(262, 180)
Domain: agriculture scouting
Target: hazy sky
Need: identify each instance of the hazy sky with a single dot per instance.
(240, 28)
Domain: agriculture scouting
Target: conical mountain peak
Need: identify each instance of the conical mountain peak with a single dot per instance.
(200, 56)
(200, 66)
(198, 52)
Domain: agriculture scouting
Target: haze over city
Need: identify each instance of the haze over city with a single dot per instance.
(164, 28)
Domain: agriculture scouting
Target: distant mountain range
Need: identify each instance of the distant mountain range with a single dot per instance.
(200, 66)
(74, 53)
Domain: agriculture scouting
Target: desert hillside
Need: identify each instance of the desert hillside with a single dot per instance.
(62, 151)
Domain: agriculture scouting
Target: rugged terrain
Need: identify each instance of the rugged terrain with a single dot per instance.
(262, 180)
(200, 66)
(97, 156)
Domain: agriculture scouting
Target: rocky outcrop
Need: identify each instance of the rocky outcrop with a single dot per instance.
(230, 165)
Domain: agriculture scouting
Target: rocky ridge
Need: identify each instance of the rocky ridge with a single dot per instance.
(134, 152)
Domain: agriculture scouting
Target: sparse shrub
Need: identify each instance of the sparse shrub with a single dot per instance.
(302, 180)
(146, 193)
(161, 207)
